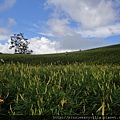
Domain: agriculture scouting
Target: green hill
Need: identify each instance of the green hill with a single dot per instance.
(102, 55)
(37, 88)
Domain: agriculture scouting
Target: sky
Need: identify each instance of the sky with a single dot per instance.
(55, 26)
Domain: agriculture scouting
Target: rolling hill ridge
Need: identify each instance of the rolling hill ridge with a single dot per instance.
(102, 55)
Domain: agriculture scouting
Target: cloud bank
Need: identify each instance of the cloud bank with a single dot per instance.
(46, 46)
(4, 33)
(38, 45)
(43, 45)
(90, 16)
(6, 5)
(75, 24)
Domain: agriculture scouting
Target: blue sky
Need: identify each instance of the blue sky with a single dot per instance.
(54, 26)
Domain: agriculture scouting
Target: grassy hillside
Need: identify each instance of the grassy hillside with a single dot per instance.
(103, 55)
(81, 88)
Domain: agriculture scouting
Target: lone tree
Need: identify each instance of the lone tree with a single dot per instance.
(20, 44)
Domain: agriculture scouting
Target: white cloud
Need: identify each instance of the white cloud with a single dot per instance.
(7, 4)
(11, 22)
(101, 32)
(4, 33)
(5, 48)
(46, 46)
(72, 43)
(43, 45)
(77, 42)
(94, 18)
(59, 27)
(90, 13)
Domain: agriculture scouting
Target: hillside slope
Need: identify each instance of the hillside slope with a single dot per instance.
(103, 55)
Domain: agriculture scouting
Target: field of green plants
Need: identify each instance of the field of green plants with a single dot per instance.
(75, 88)
(104, 55)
